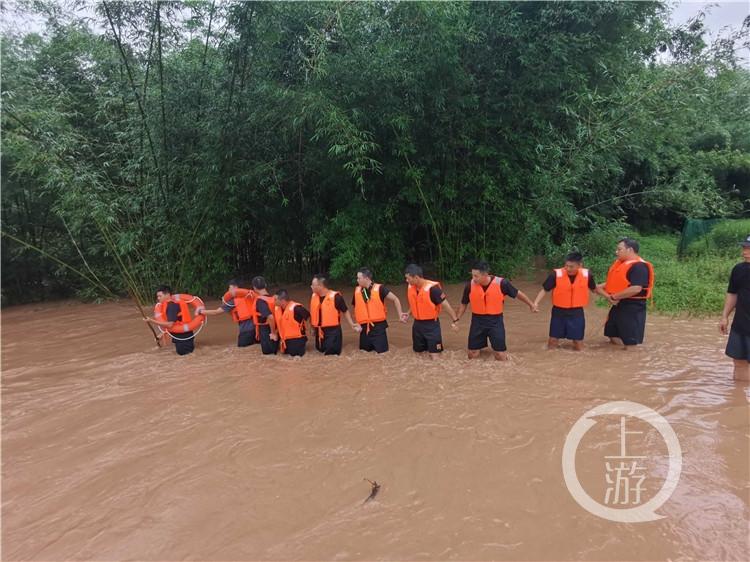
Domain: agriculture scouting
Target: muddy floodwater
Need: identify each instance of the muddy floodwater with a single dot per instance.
(115, 450)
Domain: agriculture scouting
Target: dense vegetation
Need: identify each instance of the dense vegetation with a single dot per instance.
(192, 141)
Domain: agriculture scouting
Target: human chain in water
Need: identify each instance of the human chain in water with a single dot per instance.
(281, 325)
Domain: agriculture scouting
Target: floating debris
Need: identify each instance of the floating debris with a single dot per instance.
(374, 491)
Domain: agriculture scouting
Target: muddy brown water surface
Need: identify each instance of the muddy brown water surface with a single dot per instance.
(113, 449)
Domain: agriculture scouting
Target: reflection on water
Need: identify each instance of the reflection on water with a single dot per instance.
(113, 449)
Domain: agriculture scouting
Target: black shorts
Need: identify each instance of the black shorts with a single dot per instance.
(267, 345)
(376, 339)
(186, 343)
(738, 346)
(331, 342)
(627, 321)
(487, 327)
(426, 336)
(295, 347)
(247, 334)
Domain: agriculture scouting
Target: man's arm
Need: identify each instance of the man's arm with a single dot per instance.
(539, 297)
(524, 299)
(160, 323)
(461, 310)
(450, 310)
(627, 293)
(730, 302)
(356, 327)
(402, 316)
(212, 312)
(274, 335)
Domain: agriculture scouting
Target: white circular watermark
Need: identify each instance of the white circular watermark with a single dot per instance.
(640, 513)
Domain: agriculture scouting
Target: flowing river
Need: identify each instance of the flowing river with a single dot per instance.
(113, 449)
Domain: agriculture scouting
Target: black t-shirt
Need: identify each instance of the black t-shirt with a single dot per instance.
(301, 313)
(173, 312)
(549, 284)
(638, 274)
(739, 284)
(263, 310)
(506, 287)
(175, 315)
(366, 294)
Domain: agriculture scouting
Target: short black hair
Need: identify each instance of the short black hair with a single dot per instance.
(574, 256)
(414, 270)
(282, 294)
(322, 279)
(236, 282)
(164, 289)
(631, 243)
(481, 265)
(366, 272)
(259, 282)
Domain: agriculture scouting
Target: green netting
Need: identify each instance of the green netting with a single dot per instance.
(692, 230)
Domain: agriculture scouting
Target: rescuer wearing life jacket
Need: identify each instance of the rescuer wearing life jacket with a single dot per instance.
(370, 311)
(738, 299)
(263, 317)
(289, 324)
(326, 308)
(570, 286)
(240, 303)
(171, 314)
(426, 299)
(630, 282)
(486, 294)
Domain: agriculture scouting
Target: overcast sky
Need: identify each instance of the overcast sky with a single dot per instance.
(720, 16)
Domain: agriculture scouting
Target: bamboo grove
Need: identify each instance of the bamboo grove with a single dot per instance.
(188, 142)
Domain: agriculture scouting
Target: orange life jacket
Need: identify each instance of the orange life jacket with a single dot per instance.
(330, 314)
(287, 326)
(370, 311)
(571, 295)
(422, 308)
(617, 277)
(186, 323)
(488, 301)
(244, 304)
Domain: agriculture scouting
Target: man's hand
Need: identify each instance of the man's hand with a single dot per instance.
(274, 336)
(200, 310)
(454, 325)
(357, 328)
(534, 307)
(723, 325)
(148, 320)
(612, 300)
(404, 317)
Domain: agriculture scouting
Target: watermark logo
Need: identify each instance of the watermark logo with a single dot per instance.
(624, 473)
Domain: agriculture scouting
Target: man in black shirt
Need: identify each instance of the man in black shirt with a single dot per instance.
(630, 281)
(326, 308)
(264, 320)
(569, 298)
(370, 311)
(486, 294)
(184, 342)
(246, 335)
(738, 299)
(294, 346)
